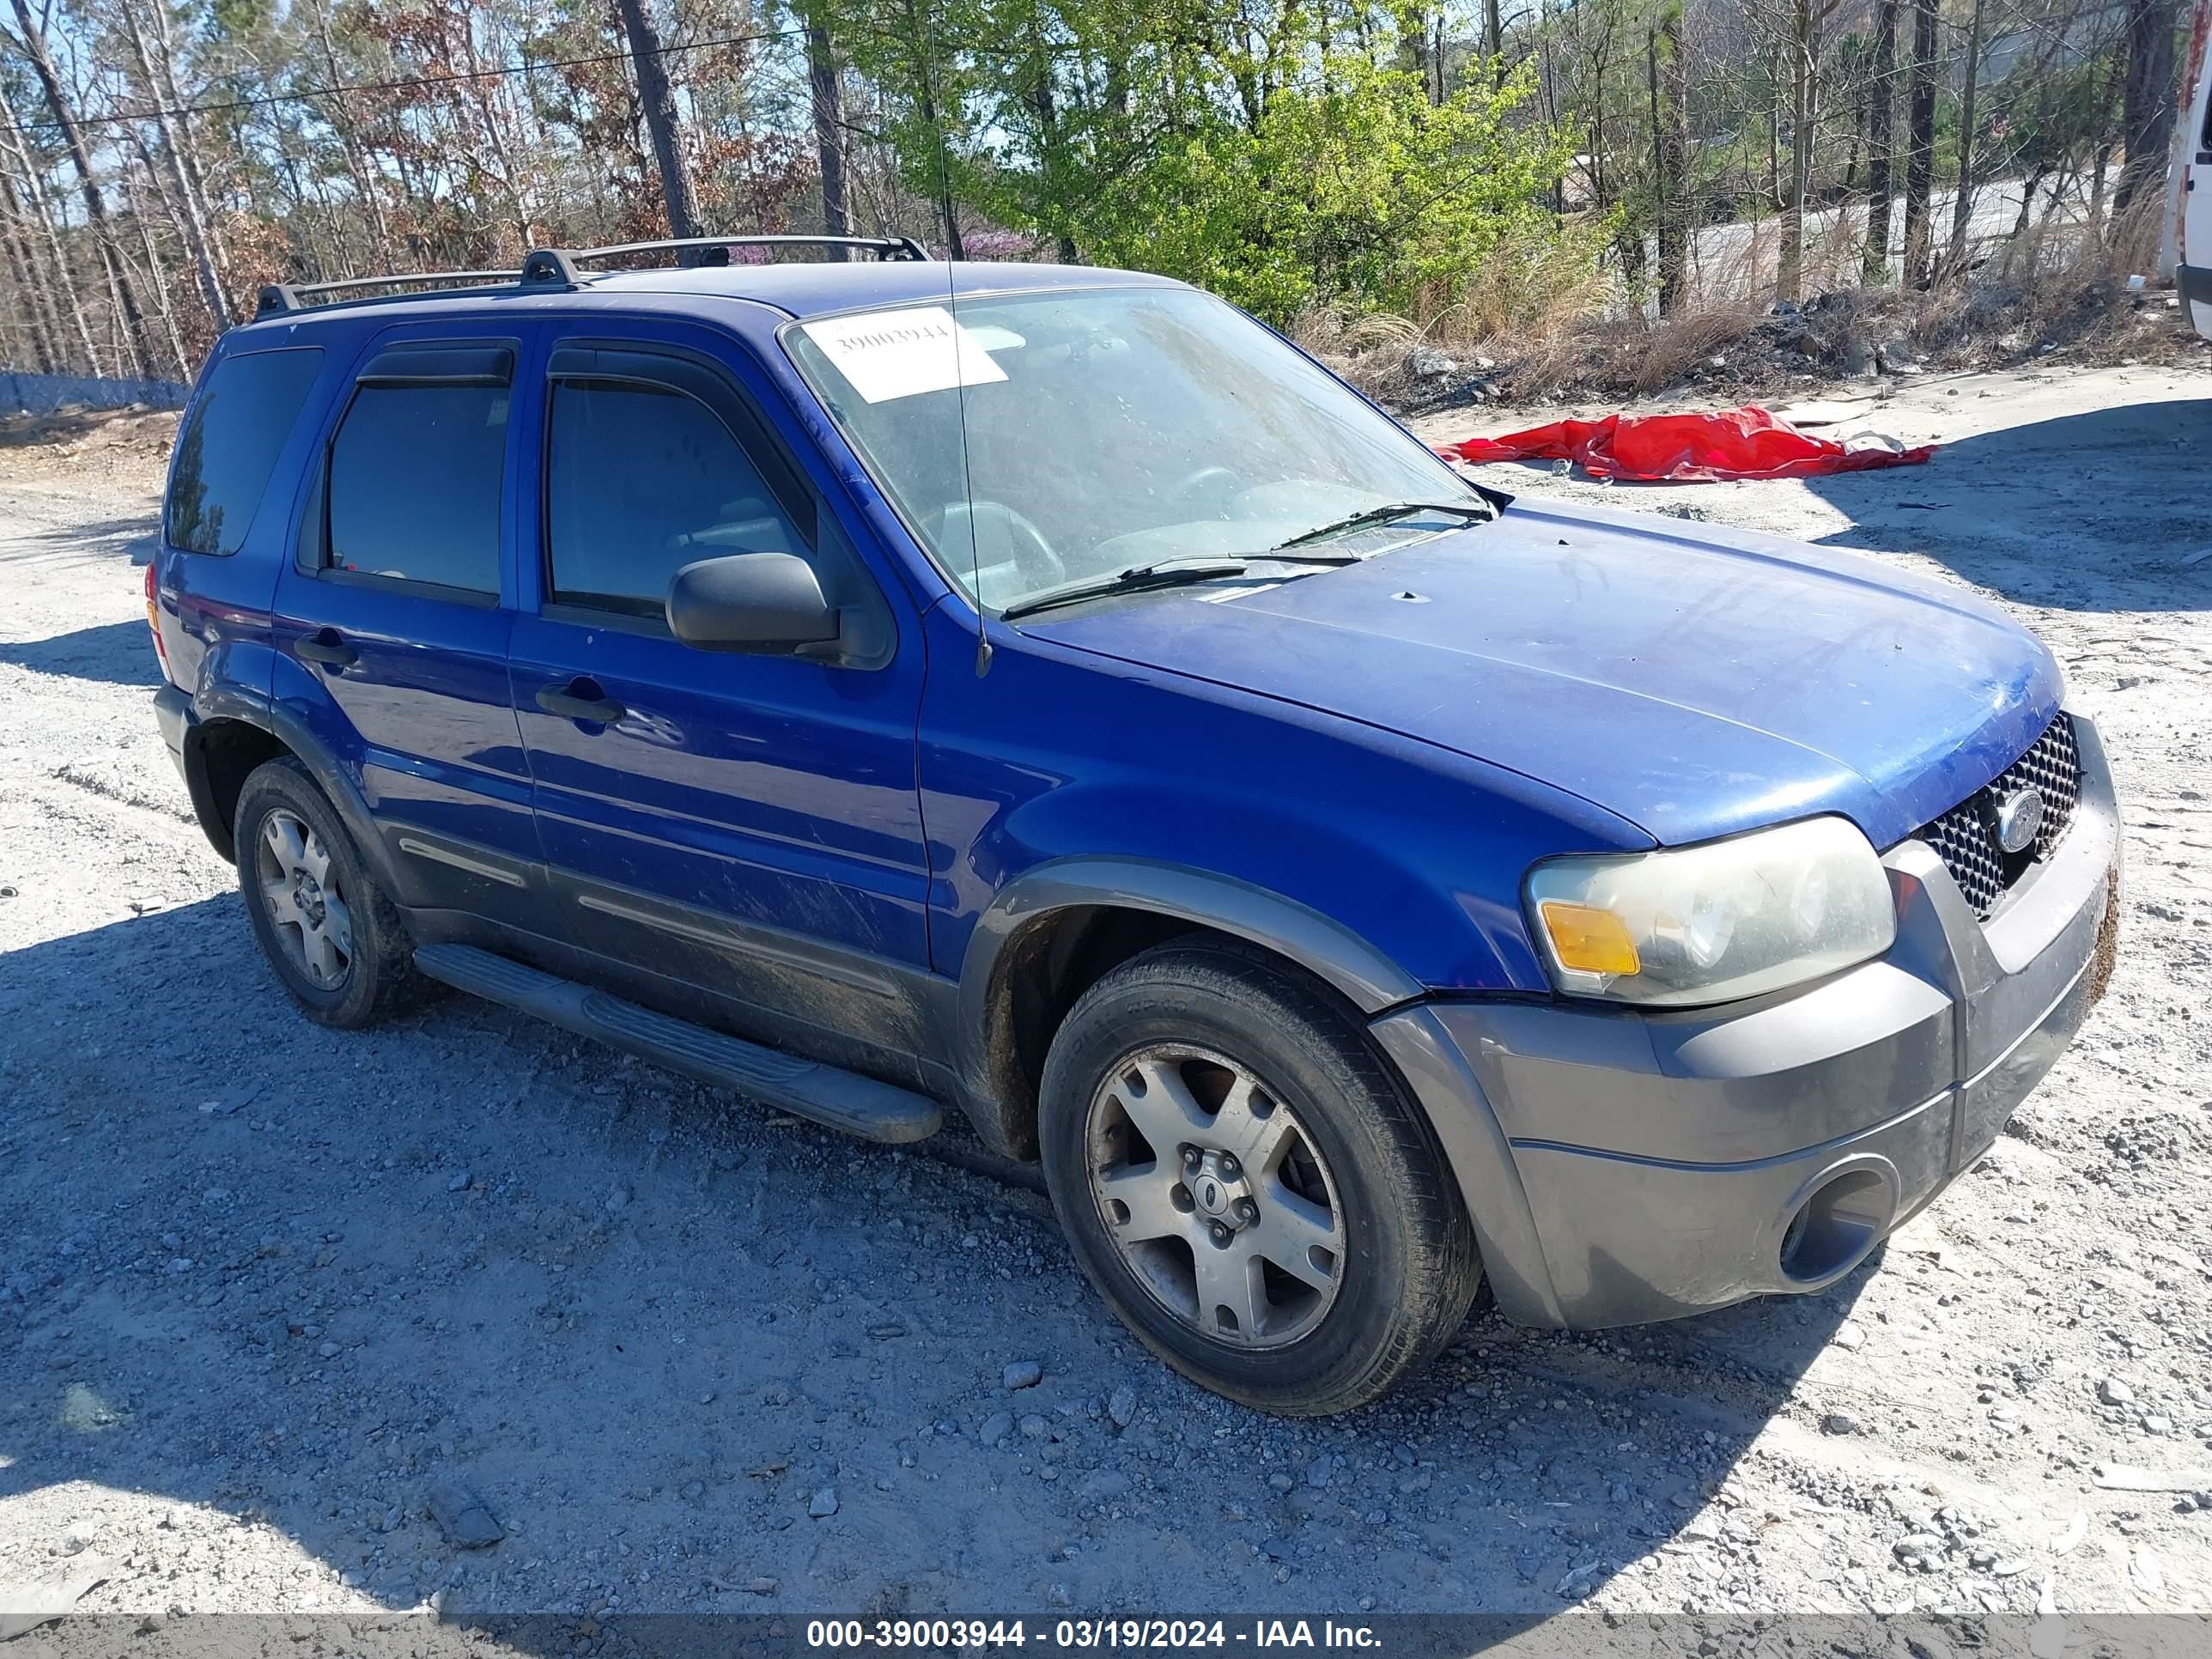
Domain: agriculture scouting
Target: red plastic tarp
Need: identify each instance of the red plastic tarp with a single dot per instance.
(1735, 443)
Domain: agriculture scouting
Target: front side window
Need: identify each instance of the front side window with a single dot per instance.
(415, 482)
(1103, 429)
(229, 448)
(640, 481)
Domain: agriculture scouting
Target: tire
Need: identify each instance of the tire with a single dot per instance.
(1352, 1191)
(367, 974)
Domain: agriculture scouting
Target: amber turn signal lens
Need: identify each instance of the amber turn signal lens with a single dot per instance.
(1591, 941)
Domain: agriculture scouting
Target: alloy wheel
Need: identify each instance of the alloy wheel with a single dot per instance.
(301, 893)
(1215, 1196)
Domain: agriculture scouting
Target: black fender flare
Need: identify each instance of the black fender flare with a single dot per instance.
(1322, 945)
(1325, 947)
(332, 779)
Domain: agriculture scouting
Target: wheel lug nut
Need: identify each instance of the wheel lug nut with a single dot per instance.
(1220, 1233)
(1229, 1169)
(1191, 1157)
(1247, 1211)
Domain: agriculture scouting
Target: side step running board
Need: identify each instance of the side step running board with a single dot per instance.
(841, 1100)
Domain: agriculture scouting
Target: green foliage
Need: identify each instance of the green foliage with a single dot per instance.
(1354, 191)
(1280, 165)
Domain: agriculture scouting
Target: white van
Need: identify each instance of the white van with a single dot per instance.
(2185, 247)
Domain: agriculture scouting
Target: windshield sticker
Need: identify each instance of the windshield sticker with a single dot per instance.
(901, 354)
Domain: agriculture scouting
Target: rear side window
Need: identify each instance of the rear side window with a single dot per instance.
(641, 481)
(229, 447)
(415, 477)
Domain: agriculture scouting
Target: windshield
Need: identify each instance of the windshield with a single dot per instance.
(1105, 430)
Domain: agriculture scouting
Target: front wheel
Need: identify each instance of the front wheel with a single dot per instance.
(1247, 1186)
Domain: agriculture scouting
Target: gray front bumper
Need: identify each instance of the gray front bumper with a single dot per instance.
(1621, 1167)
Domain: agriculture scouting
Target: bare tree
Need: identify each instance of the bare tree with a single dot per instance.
(1882, 108)
(30, 41)
(658, 100)
(1663, 73)
(2147, 99)
(367, 181)
(23, 176)
(30, 294)
(1920, 143)
(1962, 205)
(182, 197)
(826, 96)
(1803, 52)
(170, 94)
(163, 309)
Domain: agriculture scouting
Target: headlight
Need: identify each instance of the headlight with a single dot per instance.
(1708, 924)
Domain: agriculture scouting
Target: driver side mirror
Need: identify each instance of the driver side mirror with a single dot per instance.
(770, 603)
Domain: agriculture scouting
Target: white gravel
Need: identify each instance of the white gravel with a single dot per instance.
(285, 1314)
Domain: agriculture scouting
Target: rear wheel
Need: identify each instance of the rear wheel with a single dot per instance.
(1246, 1183)
(328, 930)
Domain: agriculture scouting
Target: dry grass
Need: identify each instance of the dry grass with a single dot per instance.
(2050, 284)
(1676, 345)
(2056, 285)
(1520, 294)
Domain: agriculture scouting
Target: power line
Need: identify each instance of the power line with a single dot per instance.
(528, 66)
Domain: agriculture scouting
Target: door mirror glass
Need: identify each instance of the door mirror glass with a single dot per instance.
(765, 602)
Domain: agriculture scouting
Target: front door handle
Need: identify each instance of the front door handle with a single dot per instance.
(580, 699)
(327, 646)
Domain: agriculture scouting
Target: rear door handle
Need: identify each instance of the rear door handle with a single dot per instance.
(580, 699)
(327, 646)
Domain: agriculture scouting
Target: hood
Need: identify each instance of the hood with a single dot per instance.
(1695, 684)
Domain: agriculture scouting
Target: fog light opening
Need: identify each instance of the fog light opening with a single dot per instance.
(1834, 1229)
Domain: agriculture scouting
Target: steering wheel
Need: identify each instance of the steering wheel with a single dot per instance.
(1209, 487)
(1002, 534)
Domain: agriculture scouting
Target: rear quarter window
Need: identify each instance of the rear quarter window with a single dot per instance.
(229, 446)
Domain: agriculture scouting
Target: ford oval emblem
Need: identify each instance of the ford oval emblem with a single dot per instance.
(2019, 816)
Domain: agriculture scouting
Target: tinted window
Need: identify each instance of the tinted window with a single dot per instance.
(229, 447)
(415, 484)
(640, 482)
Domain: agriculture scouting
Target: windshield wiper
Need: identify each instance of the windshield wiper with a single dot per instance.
(1167, 573)
(1477, 510)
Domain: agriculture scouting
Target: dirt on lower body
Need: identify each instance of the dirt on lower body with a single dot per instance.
(467, 1314)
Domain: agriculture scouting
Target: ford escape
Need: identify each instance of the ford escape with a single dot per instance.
(884, 689)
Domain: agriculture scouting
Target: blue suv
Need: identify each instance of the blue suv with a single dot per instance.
(879, 686)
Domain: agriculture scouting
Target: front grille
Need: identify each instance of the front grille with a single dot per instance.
(1965, 837)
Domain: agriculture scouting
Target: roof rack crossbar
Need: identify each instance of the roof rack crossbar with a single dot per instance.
(883, 247)
(406, 276)
(549, 268)
(276, 297)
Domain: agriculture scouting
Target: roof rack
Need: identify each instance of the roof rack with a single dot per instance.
(553, 267)
(276, 297)
(550, 268)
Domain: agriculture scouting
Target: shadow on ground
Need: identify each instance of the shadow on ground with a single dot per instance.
(2108, 489)
(115, 653)
(309, 1280)
(135, 537)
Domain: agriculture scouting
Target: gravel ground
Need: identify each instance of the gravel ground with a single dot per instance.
(290, 1319)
